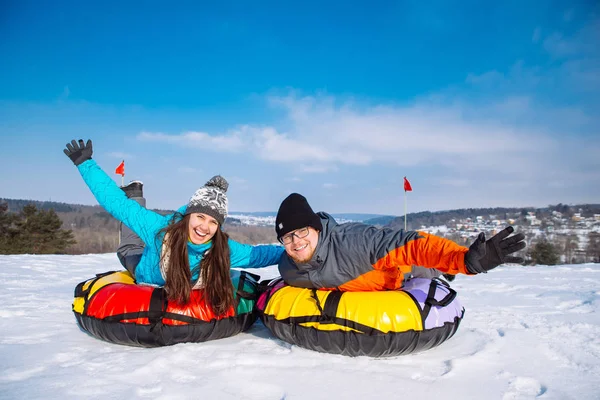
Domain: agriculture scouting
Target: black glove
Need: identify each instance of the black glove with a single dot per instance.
(78, 152)
(486, 255)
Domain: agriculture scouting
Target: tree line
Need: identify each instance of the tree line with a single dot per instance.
(59, 228)
(36, 228)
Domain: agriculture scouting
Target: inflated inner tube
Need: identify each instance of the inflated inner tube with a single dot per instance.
(112, 307)
(422, 315)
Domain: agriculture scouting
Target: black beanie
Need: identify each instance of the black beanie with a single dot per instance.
(295, 213)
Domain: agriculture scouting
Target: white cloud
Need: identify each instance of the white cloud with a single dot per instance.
(559, 47)
(229, 142)
(285, 147)
(502, 130)
(322, 136)
(121, 155)
(346, 134)
(313, 168)
(580, 56)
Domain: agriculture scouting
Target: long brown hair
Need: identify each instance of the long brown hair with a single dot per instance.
(214, 268)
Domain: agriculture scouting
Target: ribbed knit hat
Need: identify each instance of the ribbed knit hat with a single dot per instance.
(295, 213)
(210, 199)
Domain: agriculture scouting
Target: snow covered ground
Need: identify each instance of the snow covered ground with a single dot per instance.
(529, 332)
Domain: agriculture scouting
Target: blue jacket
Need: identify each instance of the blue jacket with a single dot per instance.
(146, 224)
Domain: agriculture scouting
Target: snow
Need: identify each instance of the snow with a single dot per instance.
(528, 332)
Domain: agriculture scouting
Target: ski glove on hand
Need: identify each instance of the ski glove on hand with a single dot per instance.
(486, 255)
(78, 152)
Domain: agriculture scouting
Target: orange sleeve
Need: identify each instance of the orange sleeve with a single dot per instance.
(428, 251)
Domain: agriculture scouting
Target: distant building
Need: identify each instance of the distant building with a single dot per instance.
(532, 219)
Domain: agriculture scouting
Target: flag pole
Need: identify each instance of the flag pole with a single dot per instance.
(121, 171)
(405, 210)
(407, 188)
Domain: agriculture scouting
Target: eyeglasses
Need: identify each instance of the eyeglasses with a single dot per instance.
(289, 237)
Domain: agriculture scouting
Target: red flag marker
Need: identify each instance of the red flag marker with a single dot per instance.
(121, 170)
(407, 187)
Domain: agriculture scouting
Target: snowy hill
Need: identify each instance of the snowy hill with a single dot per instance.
(528, 332)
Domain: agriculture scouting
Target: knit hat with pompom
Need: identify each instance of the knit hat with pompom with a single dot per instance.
(210, 199)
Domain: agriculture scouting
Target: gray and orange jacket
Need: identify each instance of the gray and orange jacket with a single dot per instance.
(359, 257)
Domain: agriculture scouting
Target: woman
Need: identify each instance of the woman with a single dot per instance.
(183, 251)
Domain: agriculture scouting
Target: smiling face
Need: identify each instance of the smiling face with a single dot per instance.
(201, 228)
(302, 249)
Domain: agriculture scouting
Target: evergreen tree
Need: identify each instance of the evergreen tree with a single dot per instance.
(544, 253)
(8, 229)
(33, 231)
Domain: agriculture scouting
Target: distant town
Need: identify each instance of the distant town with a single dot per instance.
(576, 236)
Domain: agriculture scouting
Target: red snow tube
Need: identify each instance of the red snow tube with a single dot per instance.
(112, 307)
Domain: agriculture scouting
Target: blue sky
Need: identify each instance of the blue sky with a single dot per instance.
(479, 105)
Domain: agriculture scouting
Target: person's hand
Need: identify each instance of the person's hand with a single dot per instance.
(79, 152)
(486, 255)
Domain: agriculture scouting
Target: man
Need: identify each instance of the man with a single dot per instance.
(320, 253)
